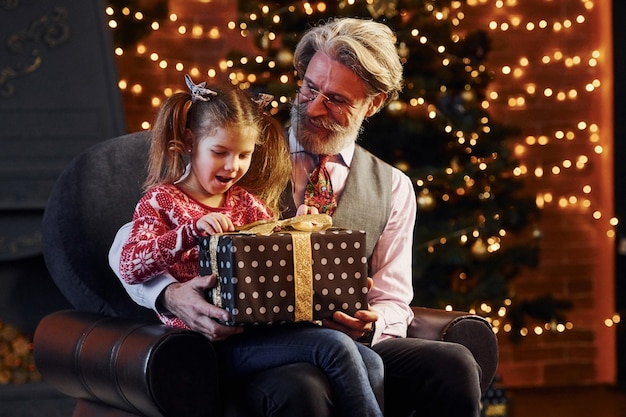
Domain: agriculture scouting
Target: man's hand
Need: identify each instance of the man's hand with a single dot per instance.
(187, 301)
(357, 326)
(302, 210)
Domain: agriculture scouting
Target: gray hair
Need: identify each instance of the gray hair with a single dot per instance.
(365, 46)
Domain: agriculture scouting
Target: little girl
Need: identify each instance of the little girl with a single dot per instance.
(217, 161)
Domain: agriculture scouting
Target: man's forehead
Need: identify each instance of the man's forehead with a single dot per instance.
(333, 77)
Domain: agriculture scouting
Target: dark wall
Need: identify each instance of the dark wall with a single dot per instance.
(27, 293)
(58, 96)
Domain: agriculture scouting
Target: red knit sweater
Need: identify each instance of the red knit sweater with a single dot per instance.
(164, 236)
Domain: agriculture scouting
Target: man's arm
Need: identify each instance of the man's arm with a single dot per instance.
(146, 294)
(165, 295)
(392, 285)
(392, 259)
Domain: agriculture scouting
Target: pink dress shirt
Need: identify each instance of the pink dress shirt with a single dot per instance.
(392, 258)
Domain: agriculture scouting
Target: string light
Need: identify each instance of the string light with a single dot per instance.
(504, 18)
(561, 94)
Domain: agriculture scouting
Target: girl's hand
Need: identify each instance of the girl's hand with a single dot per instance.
(302, 210)
(214, 223)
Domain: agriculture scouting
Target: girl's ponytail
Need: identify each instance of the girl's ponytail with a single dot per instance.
(270, 167)
(168, 145)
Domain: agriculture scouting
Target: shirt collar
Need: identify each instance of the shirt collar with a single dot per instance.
(346, 154)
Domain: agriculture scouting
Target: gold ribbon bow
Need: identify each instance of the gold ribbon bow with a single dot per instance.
(304, 223)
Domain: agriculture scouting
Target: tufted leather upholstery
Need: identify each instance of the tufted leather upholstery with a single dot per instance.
(138, 367)
(111, 354)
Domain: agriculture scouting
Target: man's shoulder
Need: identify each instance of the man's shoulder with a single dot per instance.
(367, 154)
(364, 153)
(376, 163)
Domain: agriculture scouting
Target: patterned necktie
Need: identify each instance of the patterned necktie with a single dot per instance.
(319, 190)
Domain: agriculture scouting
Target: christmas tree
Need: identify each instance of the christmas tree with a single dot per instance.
(476, 227)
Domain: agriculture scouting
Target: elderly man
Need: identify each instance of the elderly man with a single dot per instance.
(349, 70)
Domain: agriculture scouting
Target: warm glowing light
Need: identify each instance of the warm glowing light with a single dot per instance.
(197, 30)
(572, 144)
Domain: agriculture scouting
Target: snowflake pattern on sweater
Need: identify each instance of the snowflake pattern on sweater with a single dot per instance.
(164, 236)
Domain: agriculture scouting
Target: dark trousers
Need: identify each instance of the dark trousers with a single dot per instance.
(422, 378)
(425, 378)
(299, 389)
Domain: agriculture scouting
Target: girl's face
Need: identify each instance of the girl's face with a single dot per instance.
(219, 160)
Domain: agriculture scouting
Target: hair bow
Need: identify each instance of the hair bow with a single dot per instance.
(263, 100)
(198, 91)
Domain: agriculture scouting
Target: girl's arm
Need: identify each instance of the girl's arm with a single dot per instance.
(162, 234)
(147, 293)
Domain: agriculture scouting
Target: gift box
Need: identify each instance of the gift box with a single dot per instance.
(286, 276)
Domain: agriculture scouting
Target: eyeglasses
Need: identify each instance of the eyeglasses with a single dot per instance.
(310, 94)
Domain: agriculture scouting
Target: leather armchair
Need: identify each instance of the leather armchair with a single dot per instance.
(111, 354)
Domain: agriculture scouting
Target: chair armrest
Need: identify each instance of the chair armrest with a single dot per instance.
(146, 369)
(469, 330)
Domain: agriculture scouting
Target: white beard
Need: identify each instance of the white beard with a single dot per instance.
(333, 142)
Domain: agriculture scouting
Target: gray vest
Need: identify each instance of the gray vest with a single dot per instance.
(365, 203)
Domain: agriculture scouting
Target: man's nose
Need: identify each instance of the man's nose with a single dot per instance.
(317, 106)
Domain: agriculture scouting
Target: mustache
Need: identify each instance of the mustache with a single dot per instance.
(299, 113)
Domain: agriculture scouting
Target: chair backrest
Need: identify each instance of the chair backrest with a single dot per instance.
(94, 196)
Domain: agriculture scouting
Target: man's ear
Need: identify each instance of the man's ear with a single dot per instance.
(376, 104)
